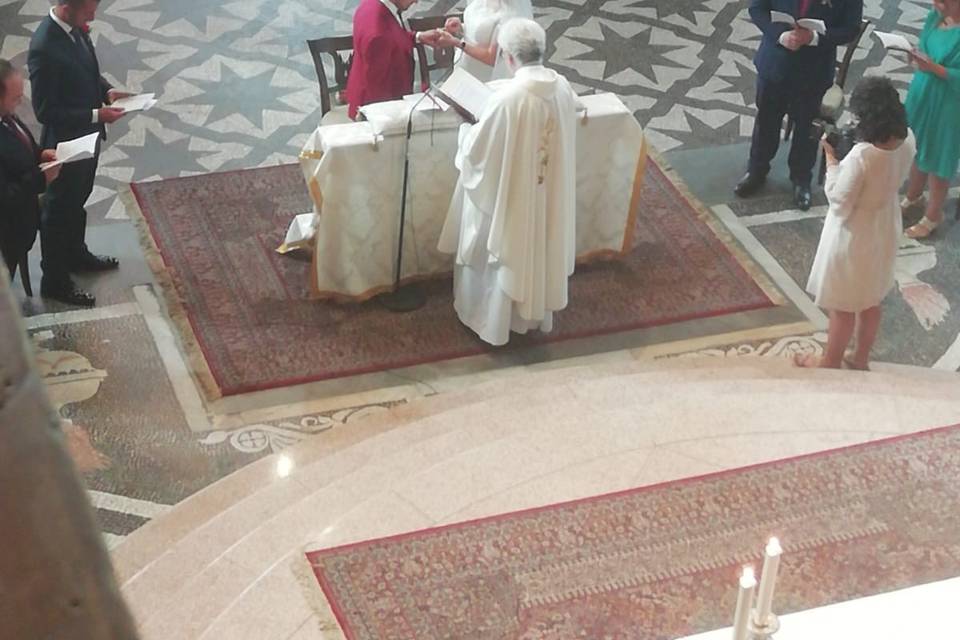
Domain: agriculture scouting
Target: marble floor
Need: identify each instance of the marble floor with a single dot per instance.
(229, 562)
(237, 90)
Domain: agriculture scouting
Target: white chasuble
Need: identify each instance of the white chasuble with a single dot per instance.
(512, 219)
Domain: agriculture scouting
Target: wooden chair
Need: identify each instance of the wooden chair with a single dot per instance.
(340, 48)
(442, 58)
(843, 69)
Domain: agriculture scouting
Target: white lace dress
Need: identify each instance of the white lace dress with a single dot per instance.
(854, 266)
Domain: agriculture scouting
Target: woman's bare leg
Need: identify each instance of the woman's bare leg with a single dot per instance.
(938, 195)
(868, 325)
(839, 332)
(917, 183)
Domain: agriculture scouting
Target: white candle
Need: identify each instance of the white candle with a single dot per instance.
(768, 579)
(744, 602)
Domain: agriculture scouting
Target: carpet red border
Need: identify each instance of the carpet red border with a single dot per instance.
(479, 349)
(341, 618)
(641, 489)
(193, 328)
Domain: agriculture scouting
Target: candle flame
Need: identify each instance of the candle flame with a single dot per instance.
(284, 466)
(773, 547)
(747, 579)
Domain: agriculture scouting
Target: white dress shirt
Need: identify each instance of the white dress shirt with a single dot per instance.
(394, 10)
(14, 126)
(69, 31)
(396, 14)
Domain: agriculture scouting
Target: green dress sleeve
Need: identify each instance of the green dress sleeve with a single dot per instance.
(951, 62)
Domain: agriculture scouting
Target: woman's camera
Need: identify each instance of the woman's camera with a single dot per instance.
(840, 137)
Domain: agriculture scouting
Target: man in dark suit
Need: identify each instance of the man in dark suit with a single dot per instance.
(795, 67)
(69, 95)
(21, 179)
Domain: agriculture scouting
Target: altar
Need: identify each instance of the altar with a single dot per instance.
(924, 611)
(354, 173)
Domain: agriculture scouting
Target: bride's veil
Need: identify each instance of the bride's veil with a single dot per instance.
(514, 9)
(522, 8)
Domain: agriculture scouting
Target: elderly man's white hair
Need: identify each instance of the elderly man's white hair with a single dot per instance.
(523, 39)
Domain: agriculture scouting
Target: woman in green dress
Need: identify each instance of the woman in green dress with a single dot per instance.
(933, 111)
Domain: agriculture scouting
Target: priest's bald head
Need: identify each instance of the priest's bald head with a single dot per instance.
(523, 42)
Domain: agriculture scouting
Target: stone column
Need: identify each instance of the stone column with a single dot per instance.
(56, 581)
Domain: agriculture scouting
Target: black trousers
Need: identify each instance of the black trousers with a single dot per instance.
(774, 101)
(63, 223)
(11, 255)
(18, 232)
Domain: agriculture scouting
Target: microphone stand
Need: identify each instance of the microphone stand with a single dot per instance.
(410, 297)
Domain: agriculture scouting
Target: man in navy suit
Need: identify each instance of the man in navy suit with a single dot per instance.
(69, 98)
(795, 67)
(21, 179)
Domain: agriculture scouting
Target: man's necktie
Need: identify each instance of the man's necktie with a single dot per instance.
(85, 50)
(804, 7)
(11, 124)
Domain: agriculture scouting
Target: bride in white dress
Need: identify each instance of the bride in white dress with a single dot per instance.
(481, 21)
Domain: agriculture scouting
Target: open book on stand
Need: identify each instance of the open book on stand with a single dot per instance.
(467, 95)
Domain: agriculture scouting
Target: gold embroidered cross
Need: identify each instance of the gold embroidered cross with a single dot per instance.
(544, 149)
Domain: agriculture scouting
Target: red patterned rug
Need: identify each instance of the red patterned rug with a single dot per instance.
(246, 315)
(661, 562)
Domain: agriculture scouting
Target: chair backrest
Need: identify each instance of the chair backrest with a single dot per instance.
(442, 58)
(340, 48)
(844, 66)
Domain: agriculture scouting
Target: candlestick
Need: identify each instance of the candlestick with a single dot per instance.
(768, 580)
(766, 631)
(744, 602)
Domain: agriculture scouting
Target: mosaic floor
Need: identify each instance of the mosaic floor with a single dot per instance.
(237, 90)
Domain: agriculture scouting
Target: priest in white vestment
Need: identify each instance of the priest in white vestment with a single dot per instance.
(512, 219)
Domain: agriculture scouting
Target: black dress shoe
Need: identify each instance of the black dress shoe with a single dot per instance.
(91, 262)
(66, 292)
(801, 196)
(749, 184)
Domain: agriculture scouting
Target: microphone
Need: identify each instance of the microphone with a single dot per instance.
(426, 92)
(408, 298)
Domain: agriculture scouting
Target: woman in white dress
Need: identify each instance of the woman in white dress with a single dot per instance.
(853, 270)
(481, 21)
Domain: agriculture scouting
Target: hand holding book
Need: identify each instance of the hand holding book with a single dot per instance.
(924, 63)
(810, 24)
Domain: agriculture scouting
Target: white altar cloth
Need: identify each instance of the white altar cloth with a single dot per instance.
(925, 611)
(355, 175)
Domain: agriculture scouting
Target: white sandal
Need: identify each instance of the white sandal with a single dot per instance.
(923, 229)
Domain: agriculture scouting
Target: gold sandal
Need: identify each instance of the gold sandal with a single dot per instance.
(906, 204)
(852, 364)
(923, 229)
